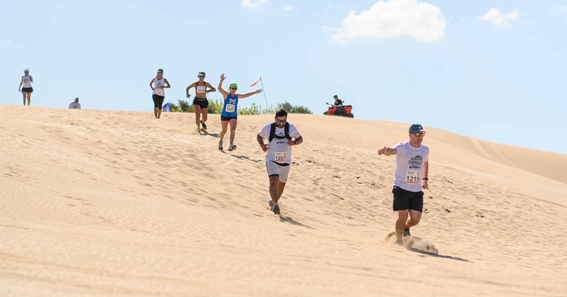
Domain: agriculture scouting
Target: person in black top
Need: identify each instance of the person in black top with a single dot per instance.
(338, 101)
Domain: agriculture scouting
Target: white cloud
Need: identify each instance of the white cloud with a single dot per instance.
(497, 18)
(288, 8)
(394, 18)
(249, 4)
(8, 41)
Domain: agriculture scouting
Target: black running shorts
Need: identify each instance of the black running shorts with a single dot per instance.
(158, 101)
(407, 200)
(203, 103)
(226, 119)
(27, 90)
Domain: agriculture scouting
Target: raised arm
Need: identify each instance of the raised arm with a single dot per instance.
(187, 90)
(388, 151)
(168, 85)
(223, 92)
(249, 94)
(151, 82)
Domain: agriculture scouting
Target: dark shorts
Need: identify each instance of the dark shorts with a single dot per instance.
(407, 200)
(28, 90)
(158, 101)
(225, 119)
(203, 103)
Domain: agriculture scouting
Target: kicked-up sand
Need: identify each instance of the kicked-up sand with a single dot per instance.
(117, 203)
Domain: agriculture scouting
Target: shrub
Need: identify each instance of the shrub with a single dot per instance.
(294, 108)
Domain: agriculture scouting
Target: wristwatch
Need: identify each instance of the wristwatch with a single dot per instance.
(425, 178)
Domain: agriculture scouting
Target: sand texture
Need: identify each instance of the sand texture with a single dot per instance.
(117, 203)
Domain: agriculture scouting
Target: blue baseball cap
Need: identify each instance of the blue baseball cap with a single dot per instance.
(415, 128)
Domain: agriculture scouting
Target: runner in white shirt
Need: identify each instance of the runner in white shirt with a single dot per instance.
(159, 84)
(75, 104)
(27, 80)
(412, 169)
(278, 153)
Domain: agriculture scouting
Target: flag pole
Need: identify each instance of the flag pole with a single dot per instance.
(264, 91)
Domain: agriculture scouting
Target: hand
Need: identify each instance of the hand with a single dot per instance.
(222, 77)
(188, 96)
(265, 147)
(290, 143)
(382, 151)
(259, 91)
(424, 184)
(19, 91)
(153, 89)
(208, 91)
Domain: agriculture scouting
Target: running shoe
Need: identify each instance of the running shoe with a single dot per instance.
(275, 207)
(232, 147)
(204, 129)
(400, 242)
(220, 146)
(406, 232)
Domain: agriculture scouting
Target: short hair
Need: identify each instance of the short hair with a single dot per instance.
(281, 113)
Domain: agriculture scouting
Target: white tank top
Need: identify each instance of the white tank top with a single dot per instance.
(158, 86)
(27, 81)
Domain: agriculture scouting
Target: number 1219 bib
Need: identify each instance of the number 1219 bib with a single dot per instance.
(413, 176)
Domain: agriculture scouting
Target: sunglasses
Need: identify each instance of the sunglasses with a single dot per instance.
(234, 89)
(201, 76)
(420, 134)
(280, 121)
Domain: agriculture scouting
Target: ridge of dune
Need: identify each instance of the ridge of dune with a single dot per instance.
(117, 203)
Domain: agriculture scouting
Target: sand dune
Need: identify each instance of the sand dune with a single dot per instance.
(115, 203)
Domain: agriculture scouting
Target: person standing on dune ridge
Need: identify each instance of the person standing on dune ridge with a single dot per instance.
(412, 169)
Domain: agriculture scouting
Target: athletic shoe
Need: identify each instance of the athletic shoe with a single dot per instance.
(275, 207)
(220, 146)
(400, 242)
(406, 232)
(232, 147)
(204, 129)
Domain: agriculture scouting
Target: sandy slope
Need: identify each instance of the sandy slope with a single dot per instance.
(108, 203)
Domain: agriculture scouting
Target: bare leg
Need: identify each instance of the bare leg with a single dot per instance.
(232, 130)
(159, 113)
(155, 112)
(281, 187)
(274, 180)
(29, 98)
(415, 216)
(204, 111)
(224, 128)
(401, 224)
(197, 109)
(24, 94)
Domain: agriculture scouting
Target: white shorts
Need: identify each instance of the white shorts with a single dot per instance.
(274, 169)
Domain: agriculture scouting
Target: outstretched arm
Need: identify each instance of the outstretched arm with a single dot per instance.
(388, 151)
(168, 85)
(249, 94)
(223, 92)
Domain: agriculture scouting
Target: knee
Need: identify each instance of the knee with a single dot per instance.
(232, 131)
(415, 220)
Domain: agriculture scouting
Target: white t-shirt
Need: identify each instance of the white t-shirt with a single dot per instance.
(409, 166)
(158, 86)
(278, 149)
(75, 105)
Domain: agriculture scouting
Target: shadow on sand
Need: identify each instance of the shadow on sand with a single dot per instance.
(292, 221)
(246, 158)
(437, 255)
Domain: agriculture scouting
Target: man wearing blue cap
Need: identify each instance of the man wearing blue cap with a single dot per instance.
(412, 168)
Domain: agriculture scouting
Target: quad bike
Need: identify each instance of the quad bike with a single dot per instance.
(340, 110)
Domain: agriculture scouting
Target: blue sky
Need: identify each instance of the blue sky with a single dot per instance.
(462, 66)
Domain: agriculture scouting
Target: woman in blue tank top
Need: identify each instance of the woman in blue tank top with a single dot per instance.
(230, 112)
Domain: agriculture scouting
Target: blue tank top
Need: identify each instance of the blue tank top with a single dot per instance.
(230, 106)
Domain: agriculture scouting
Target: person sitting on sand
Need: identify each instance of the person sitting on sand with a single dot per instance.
(412, 167)
(75, 104)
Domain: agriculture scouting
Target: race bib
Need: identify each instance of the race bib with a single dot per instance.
(201, 89)
(413, 176)
(159, 91)
(281, 156)
(230, 108)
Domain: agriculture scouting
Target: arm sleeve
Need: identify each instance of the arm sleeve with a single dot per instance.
(399, 147)
(293, 132)
(265, 131)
